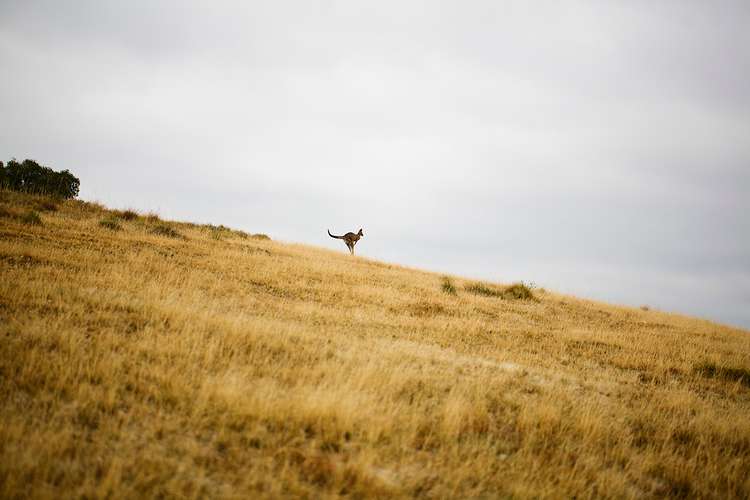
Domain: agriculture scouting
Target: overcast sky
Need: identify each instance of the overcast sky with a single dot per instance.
(594, 148)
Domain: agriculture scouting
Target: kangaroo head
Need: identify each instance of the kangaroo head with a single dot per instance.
(360, 232)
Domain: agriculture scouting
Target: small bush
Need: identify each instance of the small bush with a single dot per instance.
(221, 231)
(126, 214)
(46, 206)
(218, 232)
(165, 230)
(32, 218)
(110, 224)
(516, 291)
(482, 289)
(152, 217)
(447, 286)
(712, 370)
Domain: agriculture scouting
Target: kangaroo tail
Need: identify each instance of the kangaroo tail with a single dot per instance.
(333, 235)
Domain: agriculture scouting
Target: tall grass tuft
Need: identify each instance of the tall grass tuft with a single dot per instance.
(127, 214)
(516, 291)
(447, 286)
(482, 289)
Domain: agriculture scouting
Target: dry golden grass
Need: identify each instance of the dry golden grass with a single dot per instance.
(135, 363)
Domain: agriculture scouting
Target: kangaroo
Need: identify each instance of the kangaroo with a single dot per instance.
(350, 239)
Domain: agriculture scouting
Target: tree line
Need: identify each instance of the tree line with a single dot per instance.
(30, 177)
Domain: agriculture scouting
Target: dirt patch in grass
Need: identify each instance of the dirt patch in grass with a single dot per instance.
(425, 309)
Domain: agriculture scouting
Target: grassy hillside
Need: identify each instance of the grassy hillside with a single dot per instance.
(140, 357)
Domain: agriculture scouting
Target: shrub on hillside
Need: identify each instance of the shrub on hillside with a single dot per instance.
(126, 214)
(482, 289)
(447, 286)
(32, 218)
(217, 232)
(30, 177)
(110, 223)
(221, 231)
(165, 230)
(516, 291)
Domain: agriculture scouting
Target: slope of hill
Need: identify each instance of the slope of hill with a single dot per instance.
(140, 357)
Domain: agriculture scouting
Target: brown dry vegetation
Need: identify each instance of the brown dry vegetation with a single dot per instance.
(134, 363)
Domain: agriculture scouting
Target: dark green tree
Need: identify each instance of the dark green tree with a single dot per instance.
(31, 177)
